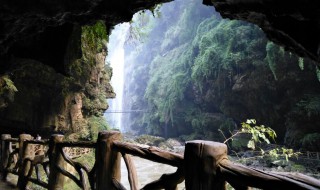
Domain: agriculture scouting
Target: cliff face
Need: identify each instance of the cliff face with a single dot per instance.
(201, 75)
(52, 64)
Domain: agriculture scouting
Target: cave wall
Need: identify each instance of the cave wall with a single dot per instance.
(49, 100)
(52, 64)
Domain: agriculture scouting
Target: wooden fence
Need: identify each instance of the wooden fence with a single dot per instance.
(204, 166)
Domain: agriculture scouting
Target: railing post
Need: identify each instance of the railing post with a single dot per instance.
(56, 178)
(25, 151)
(201, 161)
(5, 152)
(107, 161)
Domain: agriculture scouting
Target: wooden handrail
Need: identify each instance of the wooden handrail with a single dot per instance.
(11, 140)
(150, 153)
(204, 165)
(40, 142)
(241, 175)
(82, 144)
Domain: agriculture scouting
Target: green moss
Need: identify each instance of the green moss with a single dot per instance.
(318, 73)
(97, 124)
(7, 88)
(93, 40)
(311, 141)
(301, 63)
(8, 84)
(271, 58)
(298, 168)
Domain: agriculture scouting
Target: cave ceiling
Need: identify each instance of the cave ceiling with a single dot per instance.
(294, 24)
(39, 29)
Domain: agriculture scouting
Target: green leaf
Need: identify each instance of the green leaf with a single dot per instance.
(251, 144)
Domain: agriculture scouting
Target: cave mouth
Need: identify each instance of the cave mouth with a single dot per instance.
(190, 74)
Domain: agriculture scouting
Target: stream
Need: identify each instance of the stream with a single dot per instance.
(147, 171)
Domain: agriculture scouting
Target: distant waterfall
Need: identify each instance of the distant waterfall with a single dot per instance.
(116, 59)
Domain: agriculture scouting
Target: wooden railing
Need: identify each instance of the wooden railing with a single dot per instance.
(204, 166)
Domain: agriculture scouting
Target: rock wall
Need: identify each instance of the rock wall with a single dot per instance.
(48, 101)
(52, 72)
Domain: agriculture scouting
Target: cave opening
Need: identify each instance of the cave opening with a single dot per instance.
(188, 73)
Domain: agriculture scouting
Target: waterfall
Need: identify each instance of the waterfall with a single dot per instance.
(116, 59)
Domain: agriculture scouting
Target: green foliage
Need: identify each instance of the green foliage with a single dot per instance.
(318, 73)
(190, 66)
(311, 141)
(139, 28)
(88, 160)
(284, 152)
(97, 124)
(93, 39)
(301, 63)
(156, 12)
(7, 88)
(167, 94)
(258, 132)
(298, 168)
(310, 105)
(8, 84)
(222, 49)
(273, 55)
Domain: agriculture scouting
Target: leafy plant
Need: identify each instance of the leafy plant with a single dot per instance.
(258, 133)
(7, 88)
(261, 133)
(287, 153)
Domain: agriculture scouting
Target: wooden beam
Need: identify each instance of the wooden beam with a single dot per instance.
(201, 165)
(5, 152)
(132, 173)
(239, 174)
(26, 151)
(107, 161)
(56, 178)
